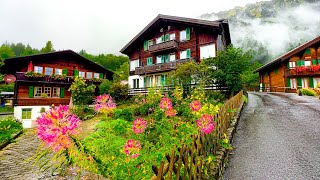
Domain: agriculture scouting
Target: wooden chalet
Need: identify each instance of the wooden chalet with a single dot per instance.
(168, 41)
(298, 68)
(43, 80)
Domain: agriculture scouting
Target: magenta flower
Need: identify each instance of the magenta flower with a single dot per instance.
(132, 148)
(195, 105)
(171, 112)
(165, 103)
(104, 103)
(205, 123)
(55, 126)
(139, 125)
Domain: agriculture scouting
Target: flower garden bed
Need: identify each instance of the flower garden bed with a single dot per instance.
(10, 129)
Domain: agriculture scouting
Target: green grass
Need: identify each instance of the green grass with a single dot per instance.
(6, 109)
(8, 128)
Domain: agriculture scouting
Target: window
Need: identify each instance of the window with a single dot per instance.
(82, 74)
(307, 63)
(49, 71)
(58, 71)
(89, 75)
(150, 43)
(47, 91)
(56, 92)
(149, 61)
(135, 83)
(159, 59)
(96, 75)
(292, 64)
(38, 69)
(293, 83)
(305, 83)
(165, 58)
(172, 57)
(26, 113)
(183, 35)
(207, 51)
(160, 39)
(316, 81)
(37, 91)
(172, 36)
(134, 64)
(149, 81)
(185, 54)
(161, 80)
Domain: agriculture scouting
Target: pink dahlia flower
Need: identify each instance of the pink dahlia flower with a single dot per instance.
(205, 123)
(165, 103)
(195, 105)
(139, 125)
(132, 148)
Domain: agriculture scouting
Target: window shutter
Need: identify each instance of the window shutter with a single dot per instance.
(145, 81)
(302, 63)
(167, 37)
(145, 45)
(188, 53)
(311, 82)
(31, 91)
(299, 82)
(188, 34)
(76, 72)
(101, 75)
(288, 82)
(62, 92)
(318, 61)
(308, 51)
(314, 62)
(162, 38)
(288, 65)
(65, 71)
(298, 63)
(162, 59)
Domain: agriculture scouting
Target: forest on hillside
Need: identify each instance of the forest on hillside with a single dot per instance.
(271, 28)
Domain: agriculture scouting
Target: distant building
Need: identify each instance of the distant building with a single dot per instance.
(169, 40)
(298, 68)
(47, 83)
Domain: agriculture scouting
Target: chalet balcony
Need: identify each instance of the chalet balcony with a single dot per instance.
(49, 79)
(303, 71)
(168, 45)
(160, 67)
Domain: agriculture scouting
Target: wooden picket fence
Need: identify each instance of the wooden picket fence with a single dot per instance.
(189, 162)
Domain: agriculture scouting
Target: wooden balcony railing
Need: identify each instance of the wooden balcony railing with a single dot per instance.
(160, 67)
(303, 71)
(168, 45)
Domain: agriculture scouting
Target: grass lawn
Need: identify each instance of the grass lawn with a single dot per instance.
(6, 109)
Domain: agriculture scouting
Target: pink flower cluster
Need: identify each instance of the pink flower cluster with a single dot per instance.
(55, 126)
(205, 123)
(104, 103)
(132, 148)
(139, 125)
(171, 112)
(166, 104)
(195, 105)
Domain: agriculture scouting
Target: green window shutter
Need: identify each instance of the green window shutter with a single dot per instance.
(314, 62)
(166, 58)
(302, 63)
(145, 81)
(298, 63)
(162, 79)
(188, 53)
(162, 59)
(62, 92)
(288, 65)
(311, 82)
(188, 34)
(308, 51)
(31, 91)
(76, 72)
(162, 38)
(167, 37)
(276, 71)
(318, 61)
(299, 82)
(145, 45)
(288, 82)
(101, 75)
(149, 61)
(65, 71)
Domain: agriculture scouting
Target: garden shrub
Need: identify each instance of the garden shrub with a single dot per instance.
(105, 86)
(215, 95)
(308, 92)
(126, 113)
(119, 91)
(144, 109)
(83, 112)
(81, 92)
(8, 127)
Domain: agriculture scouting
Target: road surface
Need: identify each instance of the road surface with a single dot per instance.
(278, 137)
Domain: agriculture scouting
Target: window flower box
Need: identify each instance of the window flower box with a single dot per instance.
(34, 75)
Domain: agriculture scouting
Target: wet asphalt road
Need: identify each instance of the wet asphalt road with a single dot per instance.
(278, 137)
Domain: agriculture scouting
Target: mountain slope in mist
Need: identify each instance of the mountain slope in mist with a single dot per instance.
(271, 28)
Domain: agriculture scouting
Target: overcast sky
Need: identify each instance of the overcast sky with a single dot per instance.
(98, 26)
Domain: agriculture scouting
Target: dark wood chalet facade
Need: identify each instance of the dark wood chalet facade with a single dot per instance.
(43, 80)
(168, 41)
(298, 68)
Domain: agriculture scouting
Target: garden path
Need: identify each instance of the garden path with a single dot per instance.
(278, 137)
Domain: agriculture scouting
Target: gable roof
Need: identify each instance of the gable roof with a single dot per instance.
(59, 54)
(220, 24)
(290, 53)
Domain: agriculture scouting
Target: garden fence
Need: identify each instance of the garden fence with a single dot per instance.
(188, 162)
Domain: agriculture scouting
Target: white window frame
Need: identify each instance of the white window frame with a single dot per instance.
(172, 36)
(150, 43)
(183, 54)
(207, 51)
(292, 64)
(56, 92)
(159, 59)
(134, 64)
(305, 82)
(96, 75)
(47, 91)
(58, 71)
(307, 63)
(172, 57)
(183, 35)
(89, 75)
(135, 83)
(149, 81)
(293, 83)
(316, 81)
(159, 40)
(46, 71)
(37, 91)
(38, 69)
(82, 74)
